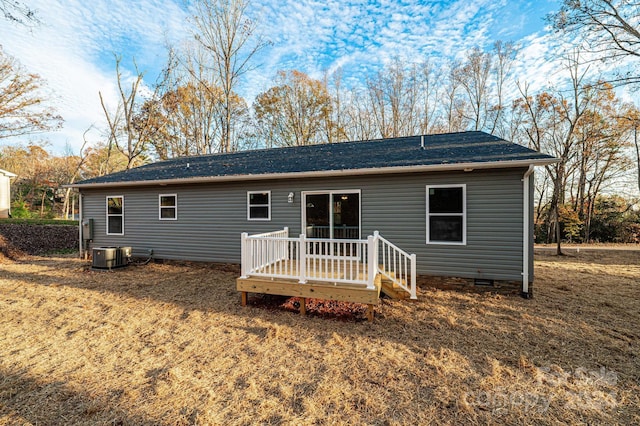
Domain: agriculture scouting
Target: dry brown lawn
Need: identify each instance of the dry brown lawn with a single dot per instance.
(170, 344)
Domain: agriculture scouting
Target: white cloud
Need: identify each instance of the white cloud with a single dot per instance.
(73, 49)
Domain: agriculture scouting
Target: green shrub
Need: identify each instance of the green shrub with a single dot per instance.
(19, 210)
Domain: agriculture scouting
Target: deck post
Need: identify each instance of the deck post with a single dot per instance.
(244, 253)
(413, 276)
(303, 306)
(302, 260)
(285, 247)
(370, 312)
(372, 252)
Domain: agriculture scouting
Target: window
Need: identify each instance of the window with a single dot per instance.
(115, 215)
(168, 207)
(259, 205)
(446, 214)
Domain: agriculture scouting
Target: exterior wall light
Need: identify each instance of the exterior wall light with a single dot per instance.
(290, 198)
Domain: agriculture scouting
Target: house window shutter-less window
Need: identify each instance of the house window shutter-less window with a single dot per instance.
(115, 215)
(259, 205)
(446, 214)
(168, 206)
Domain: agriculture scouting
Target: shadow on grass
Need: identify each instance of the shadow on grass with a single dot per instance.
(444, 329)
(470, 323)
(24, 400)
(211, 288)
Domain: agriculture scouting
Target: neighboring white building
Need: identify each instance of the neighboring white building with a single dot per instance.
(5, 192)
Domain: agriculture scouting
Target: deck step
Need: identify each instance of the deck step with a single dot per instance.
(392, 289)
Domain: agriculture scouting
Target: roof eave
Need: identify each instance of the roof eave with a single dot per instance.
(327, 173)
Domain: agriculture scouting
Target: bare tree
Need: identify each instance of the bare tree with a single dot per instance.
(186, 114)
(21, 105)
(358, 116)
(481, 79)
(18, 12)
(601, 153)
(430, 94)
(74, 168)
(473, 78)
(453, 106)
(504, 55)
(129, 130)
(571, 110)
(630, 120)
(336, 116)
(394, 98)
(224, 30)
(608, 27)
(551, 124)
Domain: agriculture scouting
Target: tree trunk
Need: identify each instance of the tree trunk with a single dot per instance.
(44, 195)
(558, 233)
(65, 205)
(635, 141)
(555, 204)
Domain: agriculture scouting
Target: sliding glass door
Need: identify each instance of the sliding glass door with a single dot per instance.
(332, 214)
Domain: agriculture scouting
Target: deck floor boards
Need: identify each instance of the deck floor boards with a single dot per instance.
(318, 270)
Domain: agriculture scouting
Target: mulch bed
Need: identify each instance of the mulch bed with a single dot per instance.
(37, 239)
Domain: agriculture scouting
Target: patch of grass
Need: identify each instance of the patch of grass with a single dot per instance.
(22, 221)
(62, 253)
(170, 344)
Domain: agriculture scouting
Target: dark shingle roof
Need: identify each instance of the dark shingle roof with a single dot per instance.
(452, 149)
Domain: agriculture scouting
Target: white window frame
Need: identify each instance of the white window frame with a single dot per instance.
(174, 207)
(249, 205)
(108, 215)
(463, 214)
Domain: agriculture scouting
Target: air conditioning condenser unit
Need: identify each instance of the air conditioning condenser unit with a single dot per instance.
(110, 257)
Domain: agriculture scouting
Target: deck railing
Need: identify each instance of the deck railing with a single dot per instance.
(339, 232)
(263, 251)
(397, 265)
(345, 261)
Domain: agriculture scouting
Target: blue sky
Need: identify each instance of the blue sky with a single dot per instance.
(73, 49)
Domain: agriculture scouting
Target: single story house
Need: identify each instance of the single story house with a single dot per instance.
(5, 193)
(460, 202)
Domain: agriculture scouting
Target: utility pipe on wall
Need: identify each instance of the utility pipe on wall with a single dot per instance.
(526, 230)
(80, 234)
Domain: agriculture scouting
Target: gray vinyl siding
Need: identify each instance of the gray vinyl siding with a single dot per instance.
(211, 218)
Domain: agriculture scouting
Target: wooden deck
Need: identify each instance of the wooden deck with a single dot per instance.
(336, 269)
(312, 289)
(321, 284)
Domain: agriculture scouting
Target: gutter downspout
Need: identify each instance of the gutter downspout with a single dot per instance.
(80, 236)
(525, 232)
